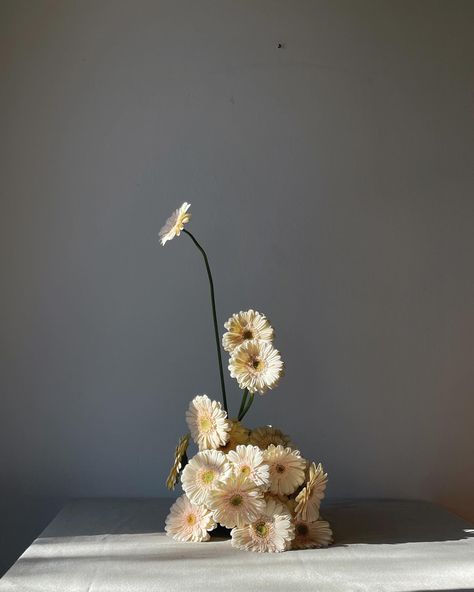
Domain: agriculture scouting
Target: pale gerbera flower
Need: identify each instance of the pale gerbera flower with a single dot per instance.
(310, 535)
(187, 522)
(175, 223)
(244, 326)
(286, 469)
(309, 498)
(236, 501)
(207, 422)
(266, 435)
(248, 461)
(237, 435)
(271, 532)
(256, 365)
(179, 454)
(202, 473)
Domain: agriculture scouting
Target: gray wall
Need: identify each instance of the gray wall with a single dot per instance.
(330, 182)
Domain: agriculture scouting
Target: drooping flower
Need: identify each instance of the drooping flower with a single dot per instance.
(188, 522)
(287, 469)
(236, 501)
(271, 532)
(179, 453)
(175, 223)
(244, 326)
(266, 435)
(309, 498)
(237, 435)
(310, 535)
(248, 461)
(207, 422)
(202, 473)
(256, 365)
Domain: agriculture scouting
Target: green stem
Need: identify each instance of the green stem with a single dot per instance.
(214, 315)
(247, 407)
(242, 405)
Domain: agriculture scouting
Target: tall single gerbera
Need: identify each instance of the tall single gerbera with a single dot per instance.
(248, 461)
(178, 459)
(236, 501)
(188, 522)
(271, 532)
(266, 435)
(311, 535)
(207, 422)
(237, 435)
(202, 473)
(256, 365)
(175, 223)
(287, 469)
(309, 498)
(244, 326)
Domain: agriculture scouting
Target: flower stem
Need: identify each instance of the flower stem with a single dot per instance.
(242, 405)
(214, 315)
(247, 407)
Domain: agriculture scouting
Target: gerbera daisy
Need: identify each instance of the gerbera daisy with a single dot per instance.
(187, 522)
(248, 461)
(309, 498)
(244, 326)
(309, 535)
(256, 365)
(237, 435)
(266, 435)
(286, 469)
(236, 501)
(207, 422)
(271, 532)
(201, 474)
(175, 223)
(179, 453)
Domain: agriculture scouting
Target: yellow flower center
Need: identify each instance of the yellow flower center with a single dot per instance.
(207, 477)
(280, 468)
(301, 529)
(205, 424)
(191, 519)
(261, 528)
(236, 500)
(245, 470)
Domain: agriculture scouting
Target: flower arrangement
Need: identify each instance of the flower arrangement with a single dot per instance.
(252, 481)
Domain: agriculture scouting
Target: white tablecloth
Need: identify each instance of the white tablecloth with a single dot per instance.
(118, 546)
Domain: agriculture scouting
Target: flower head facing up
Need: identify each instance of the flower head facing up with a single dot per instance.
(175, 223)
(256, 365)
(237, 435)
(202, 473)
(309, 498)
(248, 462)
(266, 435)
(311, 535)
(178, 459)
(287, 469)
(188, 522)
(207, 423)
(236, 501)
(244, 326)
(271, 532)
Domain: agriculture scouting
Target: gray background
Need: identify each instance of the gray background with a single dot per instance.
(331, 183)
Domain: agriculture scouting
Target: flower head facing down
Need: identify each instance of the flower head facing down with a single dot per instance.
(309, 498)
(207, 423)
(248, 462)
(266, 435)
(271, 532)
(202, 473)
(179, 453)
(244, 326)
(236, 501)
(311, 535)
(287, 469)
(256, 365)
(237, 435)
(188, 522)
(175, 223)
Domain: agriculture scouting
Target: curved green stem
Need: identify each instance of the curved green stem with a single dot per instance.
(214, 315)
(247, 407)
(242, 404)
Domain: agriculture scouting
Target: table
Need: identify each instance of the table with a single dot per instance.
(110, 545)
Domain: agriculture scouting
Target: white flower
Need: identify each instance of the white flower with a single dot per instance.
(244, 326)
(187, 522)
(266, 435)
(179, 453)
(271, 532)
(175, 223)
(286, 469)
(236, 501)
(248, 461)
(309, 498)
(310, 535)
(237, 435)
(256, 365)
(202, 473)
(207, 422)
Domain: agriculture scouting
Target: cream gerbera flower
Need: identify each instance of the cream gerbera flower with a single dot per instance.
(237, 435)
(187, 522)
(236, 501)
(202, 473)
(266, 435)
(244, 326)
(256, 365)
(207, 422)
(310, 535)
(286, 469)
(248, 461)
(179, 453)
(309, 498)
(271, 532)
(175, 223)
